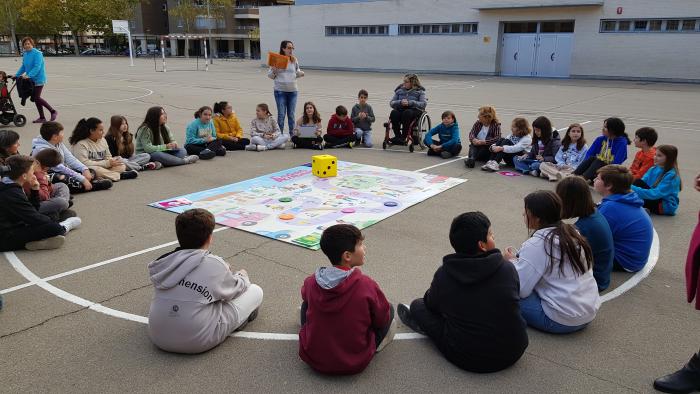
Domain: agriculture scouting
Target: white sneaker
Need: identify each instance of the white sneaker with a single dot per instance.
(191, 159)
(251, 147)
(46, 244)
(261, 148)
(493, 166)
(71, 223)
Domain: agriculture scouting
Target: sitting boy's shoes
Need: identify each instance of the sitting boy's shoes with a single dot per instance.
(405, 315)
(46, 244)
(207, 154)
(252, 317)
(101, 184)
(389, 336)
(445, 154)
(318, 146)
(469, 162)
(71, 223)
(131, 174)
(70, 203)
(68, 213)
(350, 145)
(191, 159)
(685, 380)
(261, 148)
(153, 165)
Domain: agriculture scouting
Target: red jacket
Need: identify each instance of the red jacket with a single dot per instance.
(45, 188)
(642, 162)
(692, 267)
(340, 128)
(338, 337)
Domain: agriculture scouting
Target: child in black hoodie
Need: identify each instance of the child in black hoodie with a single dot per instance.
(471, 310)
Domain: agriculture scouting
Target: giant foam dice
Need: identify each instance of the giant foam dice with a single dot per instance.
(324, 166)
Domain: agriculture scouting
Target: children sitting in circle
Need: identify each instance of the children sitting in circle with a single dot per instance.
(121, 145)
(471, 310)
(71, 171)
(308, 129)
(345, 317)
(362, 117)
(340, 131)
(644, 139)
(228, 128)
(265, 132)
(577, 202)
(609, 148)
(517, 143)
(569, 156)
(90, 147)
(630, 224)
(154, 137)
(557, 289)
(21, 225)
(485, 132)
(660, 185)
(545, 145)
(199, 300)
(448, 143)
(200, 136)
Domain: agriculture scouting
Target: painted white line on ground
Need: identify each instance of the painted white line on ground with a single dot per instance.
(639, 276)
(441, 164)
(148, 93)
(564, 128)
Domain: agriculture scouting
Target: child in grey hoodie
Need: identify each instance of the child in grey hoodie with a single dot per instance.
(198, 300)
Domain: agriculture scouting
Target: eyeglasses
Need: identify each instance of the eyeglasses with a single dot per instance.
(290, 48)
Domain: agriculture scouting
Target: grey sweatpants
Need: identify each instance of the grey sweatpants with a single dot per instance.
(270, 144)
(60, 196)
(137, 161)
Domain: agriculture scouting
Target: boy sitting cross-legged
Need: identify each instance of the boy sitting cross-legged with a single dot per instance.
(198, 300)
(471, 310)
(345, 318)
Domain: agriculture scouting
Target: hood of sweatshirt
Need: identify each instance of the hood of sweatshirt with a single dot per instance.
(41, 142)
(335, 287)
(472, 269)
(631, 199)
(168, 270)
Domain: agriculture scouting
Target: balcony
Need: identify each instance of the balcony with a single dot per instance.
(246, 13)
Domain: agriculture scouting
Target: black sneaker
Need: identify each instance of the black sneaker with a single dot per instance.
(68, 213)
(101, 184)
(207, 154)
(252, 317)
(406, 318)
(128, 174)
(469, 162)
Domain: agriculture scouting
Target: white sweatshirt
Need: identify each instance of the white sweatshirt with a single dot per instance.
(567, 298)
(286, 80)
(520, 144)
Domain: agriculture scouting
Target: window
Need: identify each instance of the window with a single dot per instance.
(366, 30)
(520, 27)
(649, 25)
(442, 28)
(557, 27)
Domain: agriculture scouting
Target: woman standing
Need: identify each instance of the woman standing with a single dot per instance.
(33, 68)
(286, 86)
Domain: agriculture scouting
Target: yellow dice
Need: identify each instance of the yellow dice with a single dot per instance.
(324, 166)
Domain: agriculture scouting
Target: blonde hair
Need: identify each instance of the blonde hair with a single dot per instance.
(413, 79)
(488, 112)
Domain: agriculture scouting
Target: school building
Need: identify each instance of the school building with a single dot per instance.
(628, 39)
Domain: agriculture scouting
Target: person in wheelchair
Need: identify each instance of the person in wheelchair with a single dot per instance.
(408, 104)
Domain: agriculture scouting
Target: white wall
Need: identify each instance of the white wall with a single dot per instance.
(629, 55)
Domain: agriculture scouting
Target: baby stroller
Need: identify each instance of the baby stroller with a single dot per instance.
(8, 111)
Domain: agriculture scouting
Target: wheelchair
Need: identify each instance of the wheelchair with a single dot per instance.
(419, 127)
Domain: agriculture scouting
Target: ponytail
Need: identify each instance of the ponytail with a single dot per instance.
(219, 107)
(82, 129)
(200, 110)
(265, 108)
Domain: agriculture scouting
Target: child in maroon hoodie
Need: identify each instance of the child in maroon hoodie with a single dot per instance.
(345, 318)
(341, 131)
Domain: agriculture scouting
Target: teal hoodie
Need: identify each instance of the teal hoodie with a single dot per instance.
(198, 131)
(667, 190)
(449, 136)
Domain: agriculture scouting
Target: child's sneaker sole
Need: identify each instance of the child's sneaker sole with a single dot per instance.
(46, 244)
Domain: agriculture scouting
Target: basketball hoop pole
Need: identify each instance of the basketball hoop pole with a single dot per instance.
(162, 52)
(206, 58)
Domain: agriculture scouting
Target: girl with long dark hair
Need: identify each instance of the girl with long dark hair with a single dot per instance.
(121, 144)
(154, 137)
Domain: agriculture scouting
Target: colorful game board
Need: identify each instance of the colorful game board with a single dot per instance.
(294, 206)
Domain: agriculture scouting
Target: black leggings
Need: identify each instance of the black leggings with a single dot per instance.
(507, 157)
(480, 152)
(654, 206)
(306, 143)
(215, 146)
(333, 141)
(401, 121)
(16, 239)
(454, 150)
(379, 334)
(235, 145)
(588, 169)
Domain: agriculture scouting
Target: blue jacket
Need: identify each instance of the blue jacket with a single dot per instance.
(597, 232)
(631, 227)
(667, 190)
(198, 131)
(571, 156)
(610, 151)
(449, 136)
(33, 65)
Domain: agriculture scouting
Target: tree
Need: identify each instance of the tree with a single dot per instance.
(188, 11)
(9, 17)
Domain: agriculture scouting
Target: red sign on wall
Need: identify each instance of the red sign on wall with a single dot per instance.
(619, 10)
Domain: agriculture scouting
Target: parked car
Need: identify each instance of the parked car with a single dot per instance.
(95, 52)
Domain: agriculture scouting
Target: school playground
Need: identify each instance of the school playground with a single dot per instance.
(74, 317)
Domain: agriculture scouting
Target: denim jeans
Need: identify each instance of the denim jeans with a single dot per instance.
(286, 103)
(526, 165)
(532, 312)
(170, 158)
(365, 136)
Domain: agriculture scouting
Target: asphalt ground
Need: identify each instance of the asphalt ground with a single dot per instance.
(59, 341)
